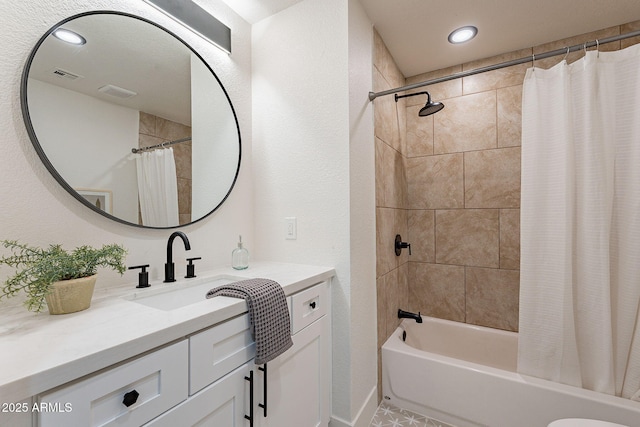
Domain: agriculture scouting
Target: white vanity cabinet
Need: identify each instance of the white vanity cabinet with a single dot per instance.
(16, 414)
(126, 395)
(216, 351)
(297, 382)
(210, 379)
(222, 404)
(220, 378)
(297, 387)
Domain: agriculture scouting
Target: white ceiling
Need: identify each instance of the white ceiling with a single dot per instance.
(415, 31)
(127, 53)
(253, 11)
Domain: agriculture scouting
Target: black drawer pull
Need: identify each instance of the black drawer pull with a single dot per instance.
(250, 416)
(313, 305)
(264, 390)
(130, 398)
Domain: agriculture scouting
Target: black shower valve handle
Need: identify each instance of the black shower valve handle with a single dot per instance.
(400, 245)
(407, 246)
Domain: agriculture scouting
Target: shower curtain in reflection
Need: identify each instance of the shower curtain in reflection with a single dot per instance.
(157, 188)
(580, 223)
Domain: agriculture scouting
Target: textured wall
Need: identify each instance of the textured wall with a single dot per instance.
(312, 162)
(362, 236)
(36, 209)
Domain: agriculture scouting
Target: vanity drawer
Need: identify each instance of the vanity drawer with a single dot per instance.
(159, 378)
(219, 350)
(308, 306)
(221, 404)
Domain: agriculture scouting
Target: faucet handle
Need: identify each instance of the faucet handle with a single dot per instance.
(143, 276)
(400, 245)
(191, 268)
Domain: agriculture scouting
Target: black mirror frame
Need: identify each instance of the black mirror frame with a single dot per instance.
(45, 160)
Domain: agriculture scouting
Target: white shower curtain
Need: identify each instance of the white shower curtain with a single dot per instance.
(158, 188)
(580, 223)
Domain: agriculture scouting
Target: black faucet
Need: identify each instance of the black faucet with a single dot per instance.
(408, 315)
(169, 267)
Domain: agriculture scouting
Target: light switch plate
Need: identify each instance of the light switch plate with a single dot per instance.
(291, 229)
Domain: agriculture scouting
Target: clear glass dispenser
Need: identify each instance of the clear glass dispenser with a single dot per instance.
(240, 257)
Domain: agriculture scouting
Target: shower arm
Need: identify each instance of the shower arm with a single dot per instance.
(414, 94)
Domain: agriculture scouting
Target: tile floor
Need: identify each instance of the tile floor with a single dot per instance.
(390, 416)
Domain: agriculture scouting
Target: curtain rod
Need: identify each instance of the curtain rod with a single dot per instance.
(531, 58)
(164, 144)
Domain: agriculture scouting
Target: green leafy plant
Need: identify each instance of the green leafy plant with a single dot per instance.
(37, 269)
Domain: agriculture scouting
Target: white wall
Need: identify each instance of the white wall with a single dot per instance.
(312, 158)
(100, 133)
(214, 141)
(309, 143)
(364, 361)
(35, 209)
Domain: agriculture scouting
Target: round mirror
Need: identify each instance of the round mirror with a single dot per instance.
(130, 120)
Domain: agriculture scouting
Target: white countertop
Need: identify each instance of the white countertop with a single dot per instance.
(42, 351)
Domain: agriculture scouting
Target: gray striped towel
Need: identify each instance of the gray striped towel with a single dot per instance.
(268, 315)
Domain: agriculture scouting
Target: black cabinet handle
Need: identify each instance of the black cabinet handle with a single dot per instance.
(250, 416)
(130, 398)
(312, 305)
(264, 390)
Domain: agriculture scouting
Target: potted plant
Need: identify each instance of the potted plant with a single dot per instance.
(65, 280)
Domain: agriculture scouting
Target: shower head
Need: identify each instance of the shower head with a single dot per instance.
(429, 108)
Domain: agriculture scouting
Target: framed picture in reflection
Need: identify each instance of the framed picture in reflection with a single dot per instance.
(101, 199)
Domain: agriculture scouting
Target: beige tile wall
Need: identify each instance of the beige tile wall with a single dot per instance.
(391, 135)
(450, 183)
(156, 130)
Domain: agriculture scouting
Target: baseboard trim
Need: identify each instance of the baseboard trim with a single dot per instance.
(364, 415)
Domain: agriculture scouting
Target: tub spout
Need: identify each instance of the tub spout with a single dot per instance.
(408, 315)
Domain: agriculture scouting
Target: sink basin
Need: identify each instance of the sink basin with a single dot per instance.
(171, 296)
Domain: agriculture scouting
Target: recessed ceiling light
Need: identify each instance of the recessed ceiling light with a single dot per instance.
(463, 34)
(69, 36)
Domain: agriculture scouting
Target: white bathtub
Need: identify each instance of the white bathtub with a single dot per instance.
(465, 375)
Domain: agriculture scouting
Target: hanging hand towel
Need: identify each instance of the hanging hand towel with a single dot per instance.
(268, 315)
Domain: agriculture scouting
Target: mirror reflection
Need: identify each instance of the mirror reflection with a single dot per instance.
(131, 120)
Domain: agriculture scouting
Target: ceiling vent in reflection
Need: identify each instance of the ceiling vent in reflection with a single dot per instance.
(116, 91)
(59, 72)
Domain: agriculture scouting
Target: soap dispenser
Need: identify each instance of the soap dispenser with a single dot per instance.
(240, 257)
